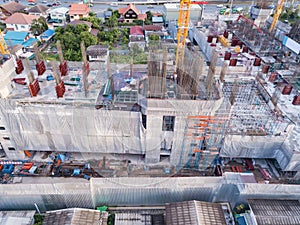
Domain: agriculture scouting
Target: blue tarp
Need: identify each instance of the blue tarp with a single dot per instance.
(61, 157)
(76, 172)
(241, 220)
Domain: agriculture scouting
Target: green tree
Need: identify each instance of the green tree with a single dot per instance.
(88, 38)
(38, 26)
(112, 21)
(96, 22)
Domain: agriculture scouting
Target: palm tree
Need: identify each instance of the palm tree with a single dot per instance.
(38, 26)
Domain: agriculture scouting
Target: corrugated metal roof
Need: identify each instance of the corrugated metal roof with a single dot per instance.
(194, 213)
(275, 212)
(75, 216)
(16, 35)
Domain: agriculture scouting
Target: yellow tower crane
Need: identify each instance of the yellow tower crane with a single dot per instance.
(183, 26)
(276, 15)
(3, 46)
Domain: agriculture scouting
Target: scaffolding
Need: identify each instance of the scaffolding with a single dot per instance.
(250, 113)
(204, 136)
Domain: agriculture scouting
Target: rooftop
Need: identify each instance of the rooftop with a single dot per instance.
(79, 9)
(17, 217)
(20, 18)
(12, 7)
(197, 213)
(76, 216)
(273, 212)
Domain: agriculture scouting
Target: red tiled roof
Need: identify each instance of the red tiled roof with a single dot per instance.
(12, 7)
(20, 18)
(122, 11)
(76, 22)
(38, 9)
(142, 16)
(78, 9)
(152, 28)
(136, 30)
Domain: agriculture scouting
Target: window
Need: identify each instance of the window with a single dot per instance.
(6, 138)
(168, 123)
(2, 128)
(11, 149)
(144, 121)
(22, 26)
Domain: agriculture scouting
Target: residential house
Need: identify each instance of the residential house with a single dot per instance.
(76, 22)
(156, 30)
(58, 17)
(47, 35)
(38, 10)
(136, 36)
(10, 8)
(19, 22)
(97, 53)
(131, 13)
(78, 11)
(19, 37)
(158, 20)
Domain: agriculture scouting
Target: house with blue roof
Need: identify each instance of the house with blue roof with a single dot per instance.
(47, 35)
(19, 37)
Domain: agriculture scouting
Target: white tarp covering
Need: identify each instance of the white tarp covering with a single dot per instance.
(56, 193)
(71, 128)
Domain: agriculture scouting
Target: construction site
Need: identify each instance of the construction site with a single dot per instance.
(225, 110)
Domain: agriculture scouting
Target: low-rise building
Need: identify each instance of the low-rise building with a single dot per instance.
(19, 37)
(137, 37)
(171, 12)
(39, 10)
(20, 22)
(10, 8)
(131, 13)
(58, 16)
(97, 53)
(76, 22)
(78, 11)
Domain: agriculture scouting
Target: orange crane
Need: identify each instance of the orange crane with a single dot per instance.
(3, 46)
(183, 26)
(276, 15)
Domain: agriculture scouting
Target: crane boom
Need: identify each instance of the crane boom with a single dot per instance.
(183, 26)
(276, 15)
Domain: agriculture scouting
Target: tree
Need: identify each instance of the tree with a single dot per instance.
(88, 38)
(38, 26)
(112, 22)
(96, 22)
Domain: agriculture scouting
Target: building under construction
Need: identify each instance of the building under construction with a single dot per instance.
(241, 103)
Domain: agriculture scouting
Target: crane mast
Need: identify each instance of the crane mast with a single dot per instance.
(276, 15)
(183, 26)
